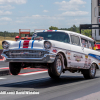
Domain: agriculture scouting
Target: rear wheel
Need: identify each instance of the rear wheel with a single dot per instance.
(14, 68)
(55, 69)
(90, 73)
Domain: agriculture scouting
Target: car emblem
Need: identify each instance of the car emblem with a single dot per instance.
(24, 52)
(39, 53)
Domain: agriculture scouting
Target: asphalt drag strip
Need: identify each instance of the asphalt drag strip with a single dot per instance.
(24, 71)
(69, 87)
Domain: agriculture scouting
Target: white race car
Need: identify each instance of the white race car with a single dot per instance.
(56, 50)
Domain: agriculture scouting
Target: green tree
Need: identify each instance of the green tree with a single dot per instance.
(86, 32)
(77, 29)
(73, 28)
(53, 28)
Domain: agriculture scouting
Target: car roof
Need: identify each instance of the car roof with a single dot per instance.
(67, 32)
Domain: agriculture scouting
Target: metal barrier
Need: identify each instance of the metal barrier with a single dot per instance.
(0, 53)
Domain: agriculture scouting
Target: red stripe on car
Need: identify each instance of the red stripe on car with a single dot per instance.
(26, 43)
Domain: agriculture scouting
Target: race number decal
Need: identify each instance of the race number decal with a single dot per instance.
(78, 57)
(68, 55)
(89, 62)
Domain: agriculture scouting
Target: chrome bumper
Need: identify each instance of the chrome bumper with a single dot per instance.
(48, 58)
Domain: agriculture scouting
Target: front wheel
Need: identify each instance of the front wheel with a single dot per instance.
(55, 69)
(90, 73)
(14, 68)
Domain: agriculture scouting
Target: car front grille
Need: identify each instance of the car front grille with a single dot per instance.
(25, 53)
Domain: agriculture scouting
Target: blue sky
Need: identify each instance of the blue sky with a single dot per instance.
(41, 14)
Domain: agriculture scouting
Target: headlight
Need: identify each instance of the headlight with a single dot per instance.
(47, 45)
(5, 45)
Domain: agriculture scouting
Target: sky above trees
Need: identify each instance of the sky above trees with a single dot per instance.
(41, 14)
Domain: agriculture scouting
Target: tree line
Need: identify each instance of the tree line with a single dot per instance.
(73, 28)
(8, 34)
(11, 34)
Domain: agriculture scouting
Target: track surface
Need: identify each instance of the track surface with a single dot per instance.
(68, 87)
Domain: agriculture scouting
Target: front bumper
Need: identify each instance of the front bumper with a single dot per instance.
(47, 58)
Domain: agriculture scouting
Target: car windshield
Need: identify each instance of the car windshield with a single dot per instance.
(58, 36)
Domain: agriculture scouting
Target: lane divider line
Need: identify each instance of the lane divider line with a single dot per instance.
(5, 68)
(2, 78)
(30, 73)
(24, 68)
(27, 73)
(36, 68)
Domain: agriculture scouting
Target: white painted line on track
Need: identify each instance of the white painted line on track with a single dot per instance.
(31, 73)
(2, 78)
(93, 96)
(4, 68)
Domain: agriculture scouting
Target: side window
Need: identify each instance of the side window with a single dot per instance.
(84, 43)
(66, 38)
(75, 40)
(91, 44)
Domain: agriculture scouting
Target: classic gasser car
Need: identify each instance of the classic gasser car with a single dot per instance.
(57, 50)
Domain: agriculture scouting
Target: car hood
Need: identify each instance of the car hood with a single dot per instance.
(36, 44)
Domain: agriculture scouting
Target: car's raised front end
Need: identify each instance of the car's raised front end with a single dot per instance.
(35, 51)
(41, 51)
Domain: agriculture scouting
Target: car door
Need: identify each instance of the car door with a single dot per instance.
(77, 52)
(88, 49)
(85, 46)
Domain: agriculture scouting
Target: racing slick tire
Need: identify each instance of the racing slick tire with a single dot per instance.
(55, 68)
(90, 73)
(14, 68)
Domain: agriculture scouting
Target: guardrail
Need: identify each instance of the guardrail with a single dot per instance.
(0, 53)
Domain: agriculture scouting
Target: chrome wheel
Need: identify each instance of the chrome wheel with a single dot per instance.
(55, 68)
(89, 73)
(93, 70)
(59, 65)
